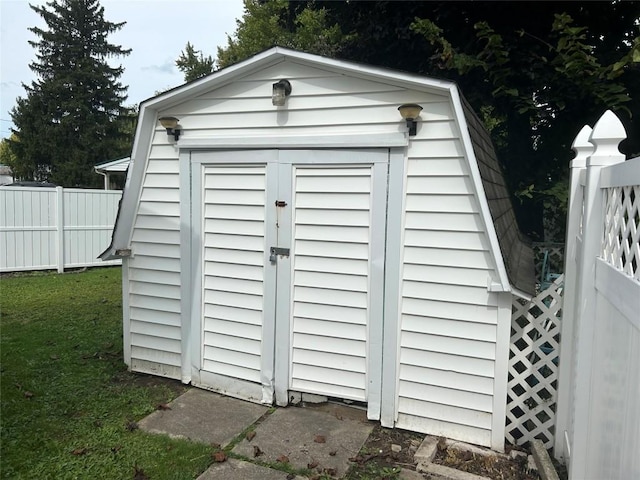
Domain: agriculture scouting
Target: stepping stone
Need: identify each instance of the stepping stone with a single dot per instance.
(308, 436)
(203, 416)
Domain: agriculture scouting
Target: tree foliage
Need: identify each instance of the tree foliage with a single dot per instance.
(281, 23)
(194, 64)
(535, 72)
(72, 116)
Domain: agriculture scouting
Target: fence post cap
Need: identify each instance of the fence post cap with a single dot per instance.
(607, 134)
(582, 147)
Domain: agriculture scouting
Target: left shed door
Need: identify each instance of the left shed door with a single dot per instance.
(235, 296)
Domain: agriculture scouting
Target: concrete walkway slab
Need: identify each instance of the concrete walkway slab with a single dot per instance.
(234, 469)
(203, 416)
(308, 437)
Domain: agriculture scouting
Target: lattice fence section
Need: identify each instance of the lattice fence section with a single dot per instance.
(533, 367)
(621, 245)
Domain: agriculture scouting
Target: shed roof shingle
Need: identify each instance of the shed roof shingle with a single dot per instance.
(516, 248)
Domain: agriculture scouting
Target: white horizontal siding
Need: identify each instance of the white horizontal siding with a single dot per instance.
(417, 421)
(154, 272)
(448, 318)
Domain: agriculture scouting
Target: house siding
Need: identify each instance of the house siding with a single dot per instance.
(448, 319)
(447, 331)
(154, 269)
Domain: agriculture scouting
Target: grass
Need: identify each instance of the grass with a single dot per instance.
(68, 405)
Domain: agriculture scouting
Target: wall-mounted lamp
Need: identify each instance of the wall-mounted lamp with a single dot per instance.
(171, 124)
(410, 112)
(281, 90)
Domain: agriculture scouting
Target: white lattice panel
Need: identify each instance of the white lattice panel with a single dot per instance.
(621, 244)
(533, 367)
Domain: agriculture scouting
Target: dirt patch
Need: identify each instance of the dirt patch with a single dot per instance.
(386, 449)
(127, 378)
(491, 466)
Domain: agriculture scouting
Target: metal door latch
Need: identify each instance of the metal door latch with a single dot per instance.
(275, 251)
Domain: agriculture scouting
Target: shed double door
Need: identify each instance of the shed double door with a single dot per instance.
(291, 267)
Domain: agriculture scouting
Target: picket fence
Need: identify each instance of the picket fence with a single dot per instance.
(598, 412)
(55, 228)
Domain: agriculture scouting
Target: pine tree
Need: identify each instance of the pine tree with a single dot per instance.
(194, 64)
(72, 115)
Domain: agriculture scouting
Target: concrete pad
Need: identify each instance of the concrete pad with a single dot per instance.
(203, 416)
(234, 469)
(297, 433)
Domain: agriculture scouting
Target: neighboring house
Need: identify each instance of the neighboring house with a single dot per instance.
(319, 246)
(112, 170)
(6, 175)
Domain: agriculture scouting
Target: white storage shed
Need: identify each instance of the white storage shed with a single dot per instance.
(287, 232)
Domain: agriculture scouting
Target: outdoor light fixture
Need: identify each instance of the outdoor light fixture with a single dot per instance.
(281, 90)
(410, 112)
(171, 124)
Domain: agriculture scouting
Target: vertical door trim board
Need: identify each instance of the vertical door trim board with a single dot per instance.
(195, 272)
(376, 286)
(392, 276)
(501, 372)
(185, 265)
(281, 349)
(126, 314)
(269, 373)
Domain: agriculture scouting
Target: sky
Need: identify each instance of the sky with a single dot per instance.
(156, 31)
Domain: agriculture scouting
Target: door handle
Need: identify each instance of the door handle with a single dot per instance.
(275, 251)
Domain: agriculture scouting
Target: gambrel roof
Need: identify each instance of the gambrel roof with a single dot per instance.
(512, 254)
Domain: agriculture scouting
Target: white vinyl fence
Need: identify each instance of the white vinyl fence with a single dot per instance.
(55, 228)
(598, 413)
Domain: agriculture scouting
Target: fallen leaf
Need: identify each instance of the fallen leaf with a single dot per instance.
(79, 451)
(250, 435)
(18, 386)
(219, 457)
(312, 465)
(215, 445)
(28, 394)
(282, 459)
(320, 439)
(256, 451)
(163, 406)
(339, 417)
(333, 453)
(116, 449)
(332, 472)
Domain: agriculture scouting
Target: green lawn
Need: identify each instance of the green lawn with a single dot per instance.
(69, 406)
